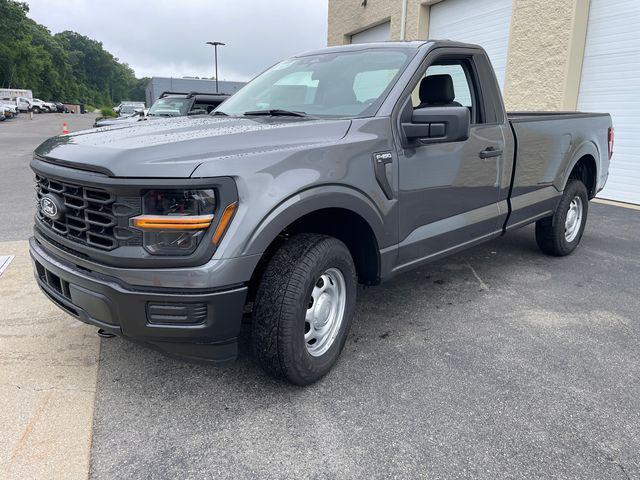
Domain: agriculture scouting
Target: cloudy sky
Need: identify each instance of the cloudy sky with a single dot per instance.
(167, 37)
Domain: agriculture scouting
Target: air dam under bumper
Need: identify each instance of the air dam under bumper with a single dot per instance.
(199, 326)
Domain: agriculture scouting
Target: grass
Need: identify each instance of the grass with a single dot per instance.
(107, 112)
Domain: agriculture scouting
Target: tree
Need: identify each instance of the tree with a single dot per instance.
(66, 66)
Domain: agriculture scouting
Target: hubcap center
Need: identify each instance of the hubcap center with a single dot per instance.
(322, 311)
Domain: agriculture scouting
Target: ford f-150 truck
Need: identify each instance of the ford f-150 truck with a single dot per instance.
(339, 167)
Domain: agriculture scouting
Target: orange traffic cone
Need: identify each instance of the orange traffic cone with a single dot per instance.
(65, 129)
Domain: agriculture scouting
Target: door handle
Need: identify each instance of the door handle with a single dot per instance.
(490, 152)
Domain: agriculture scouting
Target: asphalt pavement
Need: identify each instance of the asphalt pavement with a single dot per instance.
(499, 362)
(18, 139)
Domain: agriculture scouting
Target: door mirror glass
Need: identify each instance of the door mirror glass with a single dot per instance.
(437, 125)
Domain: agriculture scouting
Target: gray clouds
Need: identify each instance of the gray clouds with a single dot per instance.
(167, 38)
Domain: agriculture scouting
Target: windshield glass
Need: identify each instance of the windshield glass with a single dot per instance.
(169, 107)
(341, 84)
(128, 109)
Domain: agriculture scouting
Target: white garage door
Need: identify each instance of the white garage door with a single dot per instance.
(611, 83)
(484, 22)
(379, 33)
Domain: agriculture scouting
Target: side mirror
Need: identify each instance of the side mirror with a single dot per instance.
(197, 111)
(437, 125)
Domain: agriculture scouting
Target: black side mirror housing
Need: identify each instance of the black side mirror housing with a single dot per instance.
(437, 125)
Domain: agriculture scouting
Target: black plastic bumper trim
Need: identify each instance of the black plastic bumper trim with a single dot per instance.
(109, 306)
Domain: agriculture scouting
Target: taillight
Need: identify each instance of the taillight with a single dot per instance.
(610, 138)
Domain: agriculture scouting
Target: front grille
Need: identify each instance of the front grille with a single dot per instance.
(92, 216)
(52, 280)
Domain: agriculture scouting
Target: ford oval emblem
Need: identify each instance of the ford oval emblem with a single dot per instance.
(51, 207)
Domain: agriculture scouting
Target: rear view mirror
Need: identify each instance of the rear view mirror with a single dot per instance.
(437, 125)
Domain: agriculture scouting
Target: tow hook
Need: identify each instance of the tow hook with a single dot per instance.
(103, 334)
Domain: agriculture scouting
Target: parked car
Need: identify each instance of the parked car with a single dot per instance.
(175, 104)
(10, 108)
(171, 104)
(2, 114)
(127, 109)
(23, 103)
(38, 106)
(349, 165)
(60, 107)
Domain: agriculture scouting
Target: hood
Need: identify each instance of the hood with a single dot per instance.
(175, 147)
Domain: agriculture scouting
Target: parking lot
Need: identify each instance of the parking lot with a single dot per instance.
(499, 362)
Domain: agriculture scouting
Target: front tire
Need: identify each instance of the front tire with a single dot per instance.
(303, 308)
(560, 234)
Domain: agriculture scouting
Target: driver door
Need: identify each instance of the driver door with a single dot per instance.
(448, 192)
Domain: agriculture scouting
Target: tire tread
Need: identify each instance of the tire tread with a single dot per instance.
(277, 299)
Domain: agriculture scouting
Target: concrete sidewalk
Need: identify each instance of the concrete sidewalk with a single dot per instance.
(49, 363)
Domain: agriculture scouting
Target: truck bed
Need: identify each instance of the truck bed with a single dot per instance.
(548, 115)
(546, 144)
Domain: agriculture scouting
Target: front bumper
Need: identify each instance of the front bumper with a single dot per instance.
(202, 325)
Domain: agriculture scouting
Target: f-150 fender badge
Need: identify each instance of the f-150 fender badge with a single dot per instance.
(380, 161)
(383, 157)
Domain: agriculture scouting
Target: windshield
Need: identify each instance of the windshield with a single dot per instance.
(343, 84)
(128, 109)
(169, 107)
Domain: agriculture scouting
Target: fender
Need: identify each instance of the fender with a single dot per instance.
(586, 148)
(311, 200)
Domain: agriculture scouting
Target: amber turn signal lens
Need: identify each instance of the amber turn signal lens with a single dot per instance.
(172, 222)
(225, 220)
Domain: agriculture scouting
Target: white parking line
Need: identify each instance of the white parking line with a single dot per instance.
(5, 260)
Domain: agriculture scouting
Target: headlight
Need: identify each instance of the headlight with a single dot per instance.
(174, 222)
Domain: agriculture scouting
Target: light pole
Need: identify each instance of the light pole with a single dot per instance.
(215, 56)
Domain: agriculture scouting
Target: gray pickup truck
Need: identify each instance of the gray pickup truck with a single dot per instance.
(335, 168)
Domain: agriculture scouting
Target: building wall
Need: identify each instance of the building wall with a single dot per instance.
(546, 43)
(347, 17)
(545, 54)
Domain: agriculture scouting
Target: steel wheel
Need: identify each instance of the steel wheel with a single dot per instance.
(325, 312)
(574, 219)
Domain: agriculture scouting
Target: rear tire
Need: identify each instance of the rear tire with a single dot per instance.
(560, 234)
(303, 308)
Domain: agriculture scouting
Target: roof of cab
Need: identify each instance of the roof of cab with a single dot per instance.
(413, 44)
(362, 46)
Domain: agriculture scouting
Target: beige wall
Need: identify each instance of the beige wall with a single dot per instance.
(546, 44)
(347, 17)
(545, 54)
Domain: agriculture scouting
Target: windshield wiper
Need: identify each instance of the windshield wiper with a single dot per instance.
(275, 112)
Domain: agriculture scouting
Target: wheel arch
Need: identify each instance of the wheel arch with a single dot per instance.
(342, 212)
(584, 166)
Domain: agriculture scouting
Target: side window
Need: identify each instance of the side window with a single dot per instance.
(459, 79)
(369, 85)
